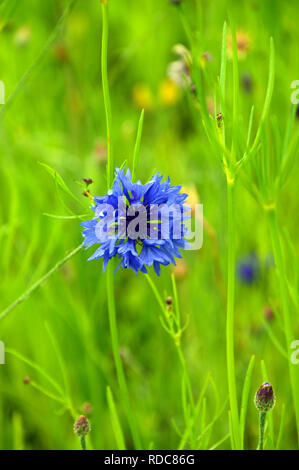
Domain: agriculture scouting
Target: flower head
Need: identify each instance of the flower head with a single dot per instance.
(153, 237)
(243, 44)
(142, 96)
(168, 92)
(82, 426)
(179, 70)
(248, 269)
(264, 398)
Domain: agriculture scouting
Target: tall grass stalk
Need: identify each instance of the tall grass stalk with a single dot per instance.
(230, 356)
(284, 295)
(110, 281)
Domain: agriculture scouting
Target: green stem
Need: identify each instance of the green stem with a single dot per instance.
(117, 359)
(283, 285)
(106, 94)
(110, 281)
(262, 422)
(186, 375)
(83, 442)
(230, 314)
(178, 346)
(38, 283)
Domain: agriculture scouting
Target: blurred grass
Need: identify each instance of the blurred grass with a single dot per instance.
(58, 119)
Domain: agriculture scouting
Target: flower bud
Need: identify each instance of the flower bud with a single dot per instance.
(264, 398)
(219, 120)
(81, 426)
(168, 301)
(87, 181)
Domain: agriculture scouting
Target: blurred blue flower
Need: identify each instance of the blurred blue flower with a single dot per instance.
(138, 241)
(248, 268)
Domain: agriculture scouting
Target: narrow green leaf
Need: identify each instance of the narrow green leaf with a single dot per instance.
(38, 369)
(32, 68)
(281, 427)
(218, 443)
(66, 217)
(245, 396)
(119, 437)
(223, 61)
(137, 145)
(269, 94)
(60, 182)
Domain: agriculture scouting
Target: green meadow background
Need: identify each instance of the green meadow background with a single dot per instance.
(54, 114)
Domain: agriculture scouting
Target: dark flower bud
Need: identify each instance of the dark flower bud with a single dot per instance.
(26, 380)
(87, 181)
(85, 194)
(219, 119)
(246, 82)
(168, 301)
(264, 398)
(81, 426)
(175, 2)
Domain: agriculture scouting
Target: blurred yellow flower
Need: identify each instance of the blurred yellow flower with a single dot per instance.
(23, 36)
(192, 199)
(180, 271)
(77, 25)
(142, 96)
(243, 45)
(168, 92)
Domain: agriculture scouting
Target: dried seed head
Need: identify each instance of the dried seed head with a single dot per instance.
(219, 119)
(87, 408)
(168, 301)
(268, 313)
(61, 53)
(81, 426)
(264, 398)
(87, 181)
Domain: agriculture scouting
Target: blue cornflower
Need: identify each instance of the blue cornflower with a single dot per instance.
(248, 269)
(151, 238)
